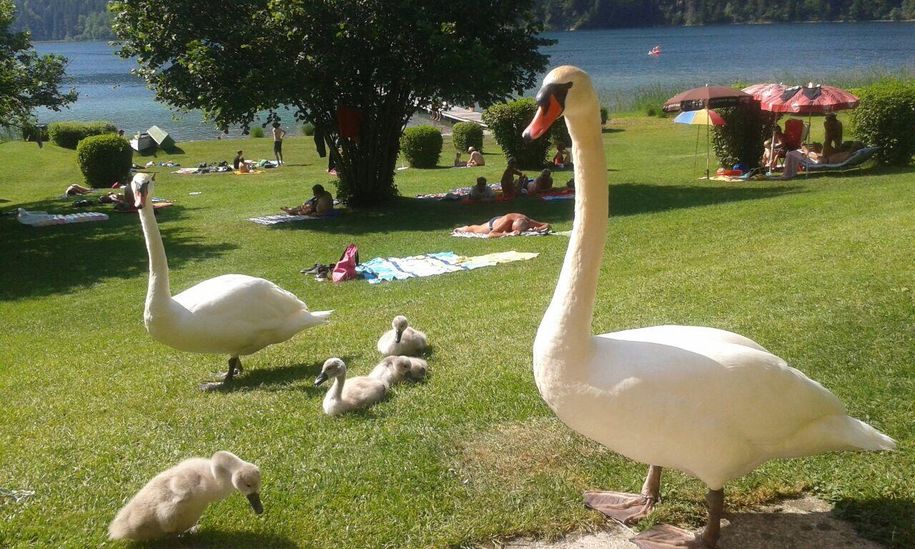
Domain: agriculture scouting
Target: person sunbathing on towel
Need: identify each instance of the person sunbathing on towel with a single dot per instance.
(481, 191)
(510, 224)
(320, 204)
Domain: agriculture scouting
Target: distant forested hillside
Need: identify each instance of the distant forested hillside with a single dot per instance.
(88, 19)
(598, 14)
(63, 19)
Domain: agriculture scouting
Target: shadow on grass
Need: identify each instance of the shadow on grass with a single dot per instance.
(634, 198)
(411, 214)
(279, 378)
(888, 521)
(40, 261)
(218, 538)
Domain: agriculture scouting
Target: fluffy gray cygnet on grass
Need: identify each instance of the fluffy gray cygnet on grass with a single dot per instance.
(402, 339)
(174, 500)
(346, 395)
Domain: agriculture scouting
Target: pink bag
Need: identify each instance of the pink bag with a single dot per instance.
(345, 269)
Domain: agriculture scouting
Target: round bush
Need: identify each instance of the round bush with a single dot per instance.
(257, 131)
(104, 159)
(308, 128)
(886, 119)
(467, 134)
(422, 146)
(68, 134)
(507, 121)
(740, 140)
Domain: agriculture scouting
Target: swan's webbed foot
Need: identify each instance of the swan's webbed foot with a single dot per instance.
(665, 536)
(621, 506)
(226, 378)
(628, 508)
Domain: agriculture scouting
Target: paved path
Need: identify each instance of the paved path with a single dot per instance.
(805, 522)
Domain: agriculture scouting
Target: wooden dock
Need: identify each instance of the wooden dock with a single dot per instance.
(458, 114)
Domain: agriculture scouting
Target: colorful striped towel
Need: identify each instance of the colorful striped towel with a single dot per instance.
(380, 269)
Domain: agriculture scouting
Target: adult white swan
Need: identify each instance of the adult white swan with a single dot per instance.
(231, 314)
(710, 403)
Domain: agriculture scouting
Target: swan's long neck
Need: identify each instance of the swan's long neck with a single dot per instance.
(563, 339)
(158, 294)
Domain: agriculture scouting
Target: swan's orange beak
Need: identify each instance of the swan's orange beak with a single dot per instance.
(544, 118)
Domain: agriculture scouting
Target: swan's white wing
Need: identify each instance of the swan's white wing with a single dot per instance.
(712, 409)
(235, 293)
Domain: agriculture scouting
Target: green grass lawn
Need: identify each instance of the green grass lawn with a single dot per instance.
(818, 270)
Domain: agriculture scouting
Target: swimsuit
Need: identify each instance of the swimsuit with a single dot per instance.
(493, 220)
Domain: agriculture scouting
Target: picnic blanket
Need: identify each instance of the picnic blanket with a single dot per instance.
(465, 234)
(380, 269)
(286, 218)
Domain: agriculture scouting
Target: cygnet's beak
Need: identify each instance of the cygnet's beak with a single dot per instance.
(320, 379)
(255, 501)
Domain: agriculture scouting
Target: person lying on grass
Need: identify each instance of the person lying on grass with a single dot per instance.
(320, 204)
(510, 224)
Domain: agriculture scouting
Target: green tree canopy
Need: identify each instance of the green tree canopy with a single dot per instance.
(27, 80)
(357, 69)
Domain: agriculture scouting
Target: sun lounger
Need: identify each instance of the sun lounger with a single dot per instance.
(853, 161)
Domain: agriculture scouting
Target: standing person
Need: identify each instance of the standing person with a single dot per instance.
(278, 135)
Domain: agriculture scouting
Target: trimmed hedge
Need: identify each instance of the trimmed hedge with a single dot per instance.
(422, 146)
(34, 132)
(507, 121)
(886, 118)
(68, 134)
(740, 140)
(467, 134)
(257, 132)
(104, 159)
(308, 128)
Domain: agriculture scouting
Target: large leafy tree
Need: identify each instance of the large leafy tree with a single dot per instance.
(367, 63)
(27, 80)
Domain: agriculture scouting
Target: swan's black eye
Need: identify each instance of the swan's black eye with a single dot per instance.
(559, 91)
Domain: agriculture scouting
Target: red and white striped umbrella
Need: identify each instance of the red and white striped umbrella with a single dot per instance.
(809, 99)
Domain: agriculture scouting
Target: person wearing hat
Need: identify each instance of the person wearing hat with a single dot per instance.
(833, 140)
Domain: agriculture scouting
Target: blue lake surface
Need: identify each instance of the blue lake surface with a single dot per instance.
(617, 60)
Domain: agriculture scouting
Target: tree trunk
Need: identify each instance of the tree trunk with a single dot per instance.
(366, 164)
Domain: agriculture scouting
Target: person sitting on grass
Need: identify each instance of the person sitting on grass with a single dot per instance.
(322, 203)
(542, 184)
(510, 224)
(238, 163)
(476, 158)
(481, 191)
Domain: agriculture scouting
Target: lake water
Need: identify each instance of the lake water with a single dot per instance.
(616, 59)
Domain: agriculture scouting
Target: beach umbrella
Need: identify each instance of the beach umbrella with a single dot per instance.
(706, 97)
(701, 117)
(810, 99)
